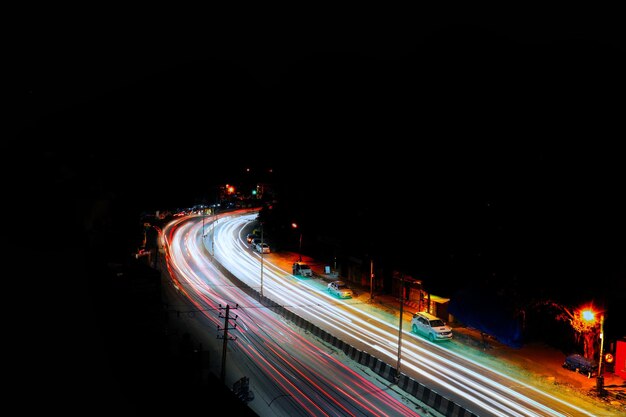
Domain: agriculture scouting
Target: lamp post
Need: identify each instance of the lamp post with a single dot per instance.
(261, 291)
(601, 344)
(371, 280)
(295, 226)
(213, 229)
(589, 316)
(398, 364)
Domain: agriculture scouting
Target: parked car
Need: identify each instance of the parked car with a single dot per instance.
(251, 236)
(339, 289)
(254, 242)
(430, 326)
(262, 247)
(300, 268)
(581, 364)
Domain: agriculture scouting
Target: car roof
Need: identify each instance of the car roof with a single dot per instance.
(427, 315)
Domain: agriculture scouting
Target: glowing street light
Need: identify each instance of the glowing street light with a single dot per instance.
(588, 315)
(295, 226)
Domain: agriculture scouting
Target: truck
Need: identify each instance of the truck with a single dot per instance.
(302, 269)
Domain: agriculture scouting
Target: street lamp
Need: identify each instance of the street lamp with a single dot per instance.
(261, 292)
(589, 316)
(295, 226)
(601, 345)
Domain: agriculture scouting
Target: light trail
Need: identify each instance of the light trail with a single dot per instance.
(314, 383)
(466, 381)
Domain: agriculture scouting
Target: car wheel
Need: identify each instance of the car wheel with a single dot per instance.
(431, 337)
(414, 329)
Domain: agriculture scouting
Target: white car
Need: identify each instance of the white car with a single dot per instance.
(430, 326)
(262, 247)
(339, 289)
(300, 268)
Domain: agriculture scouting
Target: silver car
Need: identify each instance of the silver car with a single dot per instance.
(339, 289)
(430, 326)
(300, 268)
(262, 247)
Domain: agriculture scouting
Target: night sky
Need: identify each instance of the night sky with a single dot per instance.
(483, 135)
(492, 140)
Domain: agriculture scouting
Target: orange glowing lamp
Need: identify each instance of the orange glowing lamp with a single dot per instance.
(588, 315)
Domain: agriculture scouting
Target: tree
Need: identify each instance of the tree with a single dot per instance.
(586, 327)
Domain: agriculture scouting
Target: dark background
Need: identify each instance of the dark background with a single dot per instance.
(497, 141)
(481, 150)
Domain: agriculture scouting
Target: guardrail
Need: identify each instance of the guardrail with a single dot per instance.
(426, 395)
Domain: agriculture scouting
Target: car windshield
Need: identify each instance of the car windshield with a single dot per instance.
(436, 323)
(342, 286)
(304, 266)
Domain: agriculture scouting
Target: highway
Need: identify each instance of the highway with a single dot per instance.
(289, 374)
(300, 376)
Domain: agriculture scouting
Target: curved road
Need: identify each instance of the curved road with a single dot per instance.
(289, 374)
(296, 362)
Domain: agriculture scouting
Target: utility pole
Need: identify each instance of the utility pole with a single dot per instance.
(225, 336)
(261, 259)
(215, 206)
(371, 280)
(213, 229)
(397, 376)
(601, 344)
(600, 377)
(203, 226)
(295, 226)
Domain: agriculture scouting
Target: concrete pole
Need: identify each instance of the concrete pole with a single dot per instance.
(601, 344)
(371, 280)
(398, 365)
(224, 347)
(261, 259)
